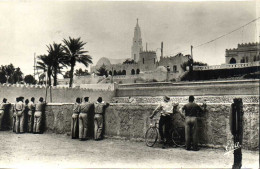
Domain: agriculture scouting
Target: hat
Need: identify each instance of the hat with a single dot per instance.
(166, 98)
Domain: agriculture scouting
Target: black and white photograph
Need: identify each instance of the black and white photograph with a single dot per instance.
(129, 84)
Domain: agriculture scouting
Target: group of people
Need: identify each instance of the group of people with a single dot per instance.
(190, 112)
(29, 110)
(80, 120)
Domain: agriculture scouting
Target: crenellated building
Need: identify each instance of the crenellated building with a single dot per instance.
(244, 53)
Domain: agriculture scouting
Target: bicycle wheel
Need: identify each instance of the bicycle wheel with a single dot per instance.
(178, 137)
(151, 136)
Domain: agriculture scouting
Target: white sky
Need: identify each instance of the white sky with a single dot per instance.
(26, 27)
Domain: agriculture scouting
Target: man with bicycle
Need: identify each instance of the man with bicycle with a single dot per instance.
(166, 110)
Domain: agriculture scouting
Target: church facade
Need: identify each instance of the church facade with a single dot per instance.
(144, 61)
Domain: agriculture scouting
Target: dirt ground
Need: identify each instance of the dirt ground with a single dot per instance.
(59, 151)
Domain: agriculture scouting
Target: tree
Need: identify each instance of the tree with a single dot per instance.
(190, 63)
(102, 71)
(67, 74)
(57, 56)
(129, 61)
(12, 74)
(3, 78)
(29, 79)
(45, 64)
(75, 53)
(80, 72)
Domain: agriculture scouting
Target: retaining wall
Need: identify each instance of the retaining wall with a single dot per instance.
(235, 87)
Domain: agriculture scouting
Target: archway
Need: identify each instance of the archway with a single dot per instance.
(110, 72)
(132, 72)
(232, 61)
(137, 71)
(115, 73)
(242, 60)
(123, 72)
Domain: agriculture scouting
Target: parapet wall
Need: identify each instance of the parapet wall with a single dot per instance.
(130, 121)
(59, 94)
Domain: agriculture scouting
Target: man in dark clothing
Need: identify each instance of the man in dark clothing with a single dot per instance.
(3, 107)
(192, 111)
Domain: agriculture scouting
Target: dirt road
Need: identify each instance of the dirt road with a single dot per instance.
(59, 151)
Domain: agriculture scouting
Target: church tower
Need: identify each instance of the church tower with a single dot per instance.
(137, 43)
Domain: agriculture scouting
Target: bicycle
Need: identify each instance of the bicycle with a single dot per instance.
(152, 135)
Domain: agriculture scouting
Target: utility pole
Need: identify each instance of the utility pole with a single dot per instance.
(161, 49)
(34, 66)
(191, 47)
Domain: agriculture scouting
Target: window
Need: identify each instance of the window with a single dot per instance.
(174, 68)
(137, 71)
(132, 72)
(154, 60)
(143, 60)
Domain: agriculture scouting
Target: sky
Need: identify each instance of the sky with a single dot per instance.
(26, 27)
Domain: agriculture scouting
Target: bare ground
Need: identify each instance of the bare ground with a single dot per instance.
(59, 151)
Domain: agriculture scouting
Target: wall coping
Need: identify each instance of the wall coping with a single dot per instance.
(199, 82)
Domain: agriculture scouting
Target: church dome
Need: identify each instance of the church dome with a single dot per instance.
(103, 61)
(161, 68)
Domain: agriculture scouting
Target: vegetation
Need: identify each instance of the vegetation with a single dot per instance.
(10, 74)
(190, 63)
(78, 72)
(102, 71)
(128, 61)
(29, 79)
(75, 53)
(60, 56)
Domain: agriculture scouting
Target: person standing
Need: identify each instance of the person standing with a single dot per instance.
(20, 107)
(85, 109)
(75, 119)
(14, 114)
(100, 107)
(192, 111)
(3, 106)
(31, 107)
(166, 110)
(39, 108)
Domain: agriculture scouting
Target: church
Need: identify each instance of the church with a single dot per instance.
(141, 60)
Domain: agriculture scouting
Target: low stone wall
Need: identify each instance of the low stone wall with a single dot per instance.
(130, 121)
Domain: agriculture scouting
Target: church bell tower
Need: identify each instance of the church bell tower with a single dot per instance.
(137, 43)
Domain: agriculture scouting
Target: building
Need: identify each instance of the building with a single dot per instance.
(244, 53)
(143, 60)
(137, 44)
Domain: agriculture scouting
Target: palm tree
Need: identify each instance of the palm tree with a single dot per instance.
(57, 56)
(45, 64)
(75, 53)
